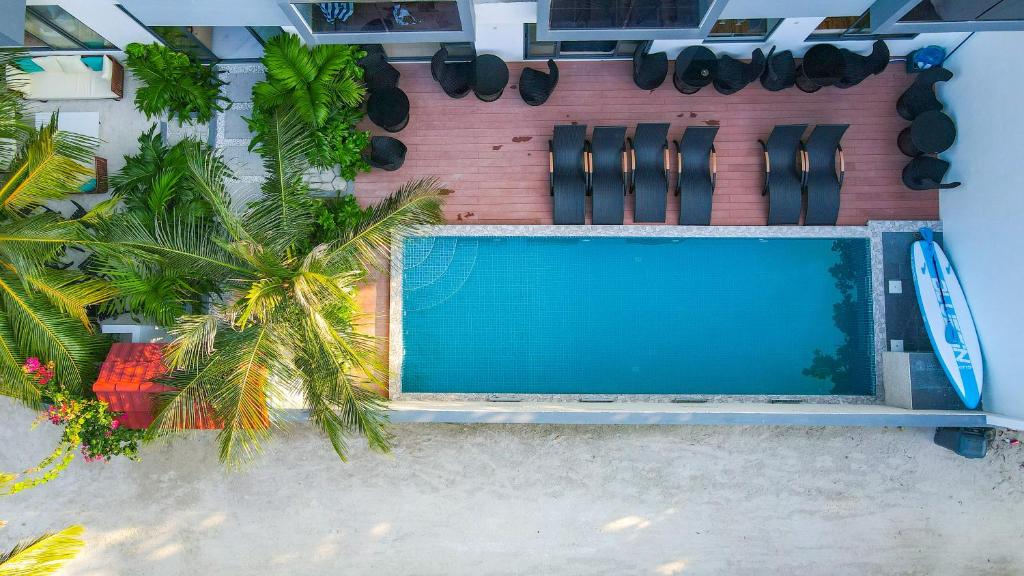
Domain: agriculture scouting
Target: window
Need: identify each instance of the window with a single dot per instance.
(617, 14)
(850, 28)
(595, 49)
(376, 17)
(423, 51)
(743, 30)
(965, 11)
(54, 28)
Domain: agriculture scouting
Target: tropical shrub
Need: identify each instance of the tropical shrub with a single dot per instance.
(157, 186)
(44, 555)
(44, 311)
(323, 85)
(331, 217)
(89, 428)
(285, 324)
(174, 83)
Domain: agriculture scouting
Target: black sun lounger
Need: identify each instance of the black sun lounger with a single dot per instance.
(783, 178)
(695, 155)
(609, 172)
(568, 173)
(649, 159)
(821, 183)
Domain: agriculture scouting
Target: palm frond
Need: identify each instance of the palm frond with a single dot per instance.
(368, 244)
(44, 555)
(71, 291)
(13, 380)
(49, 166)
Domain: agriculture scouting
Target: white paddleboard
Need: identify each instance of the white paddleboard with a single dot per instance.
(947, 318)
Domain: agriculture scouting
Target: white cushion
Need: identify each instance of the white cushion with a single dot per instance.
(48, 63)
(108, 68)
(72, 64)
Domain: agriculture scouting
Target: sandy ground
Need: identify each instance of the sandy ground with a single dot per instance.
(527, 499)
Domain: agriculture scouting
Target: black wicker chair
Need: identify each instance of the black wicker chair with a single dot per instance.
(389, 109)
(609, 180)
(783, 176)
(920, 97)
(779, 71)
(698, 171)
(733, 75)
(535, 86)
(455, 78)
(821, 183)
(386, 153)
(821, 65)
(926, 173)
(378, 73)
(649, 163)
(695, 68)
(568, 173)
(855, 67)
(490, 77)
(649, 70)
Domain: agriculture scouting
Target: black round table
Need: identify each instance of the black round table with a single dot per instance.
(389, 109)
(821, 66)
(695, 68)
(490, 77)
(930, 133)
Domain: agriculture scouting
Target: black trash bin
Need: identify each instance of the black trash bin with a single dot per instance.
(967, 442)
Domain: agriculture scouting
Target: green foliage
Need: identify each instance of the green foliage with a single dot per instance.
(174, 83)
(43, 556)
(323, 86)
(43, 310)
(284, 327)
(89, 428)
(157, 187)
(332, 217)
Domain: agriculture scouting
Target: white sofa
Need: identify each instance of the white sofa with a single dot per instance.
(68, 78)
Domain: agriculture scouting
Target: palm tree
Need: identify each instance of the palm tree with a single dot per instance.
(284, 326)
(44, 555)
(43, 310)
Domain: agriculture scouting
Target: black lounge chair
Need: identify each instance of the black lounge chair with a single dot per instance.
(378, 73)
(455, 78)
(855, 67)
(733, 75)
(649, 70)
(389, 109)
(609, 174)
(926, 173)
(535, 86)
(695, 67)
(386, 153)
(783, 178)
(821, 183)
(779, 71)
(698, 170)
(490, 77)
(920, 97)
(568, 173)
(649, 160)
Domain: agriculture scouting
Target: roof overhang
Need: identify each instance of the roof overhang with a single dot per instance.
(12, 23)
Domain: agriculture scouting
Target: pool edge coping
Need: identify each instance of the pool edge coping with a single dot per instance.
(872, 232)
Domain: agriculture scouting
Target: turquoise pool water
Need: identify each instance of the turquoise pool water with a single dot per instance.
(542, 315)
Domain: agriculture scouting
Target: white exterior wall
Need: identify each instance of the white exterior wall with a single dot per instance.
(983, 220)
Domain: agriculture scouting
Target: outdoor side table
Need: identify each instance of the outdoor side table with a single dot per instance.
(491, 77)
(930, 133)
(695, 68)
(389, 109)
(821, 66)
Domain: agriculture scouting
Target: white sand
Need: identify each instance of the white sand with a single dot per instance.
(521, 499)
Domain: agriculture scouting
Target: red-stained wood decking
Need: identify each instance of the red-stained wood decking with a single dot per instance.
(493, 156)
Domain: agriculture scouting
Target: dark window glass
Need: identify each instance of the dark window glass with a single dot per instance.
(194, 40)
(614, 14)
(752, 28)
(41, 34)
(362, 17)
(596, 49)
(850, 28)
(965, 11)
(56, 18)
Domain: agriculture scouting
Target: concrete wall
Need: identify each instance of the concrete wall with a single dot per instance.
(984, 218)
(207, 12)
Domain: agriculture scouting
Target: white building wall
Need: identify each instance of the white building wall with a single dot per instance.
(983, 220)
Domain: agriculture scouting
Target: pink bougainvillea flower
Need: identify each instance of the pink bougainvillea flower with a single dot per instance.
(32, 364)
(115, 424)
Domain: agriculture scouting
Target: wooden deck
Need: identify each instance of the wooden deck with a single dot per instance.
(494, 155)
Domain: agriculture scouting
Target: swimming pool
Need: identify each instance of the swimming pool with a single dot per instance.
(636, 315)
